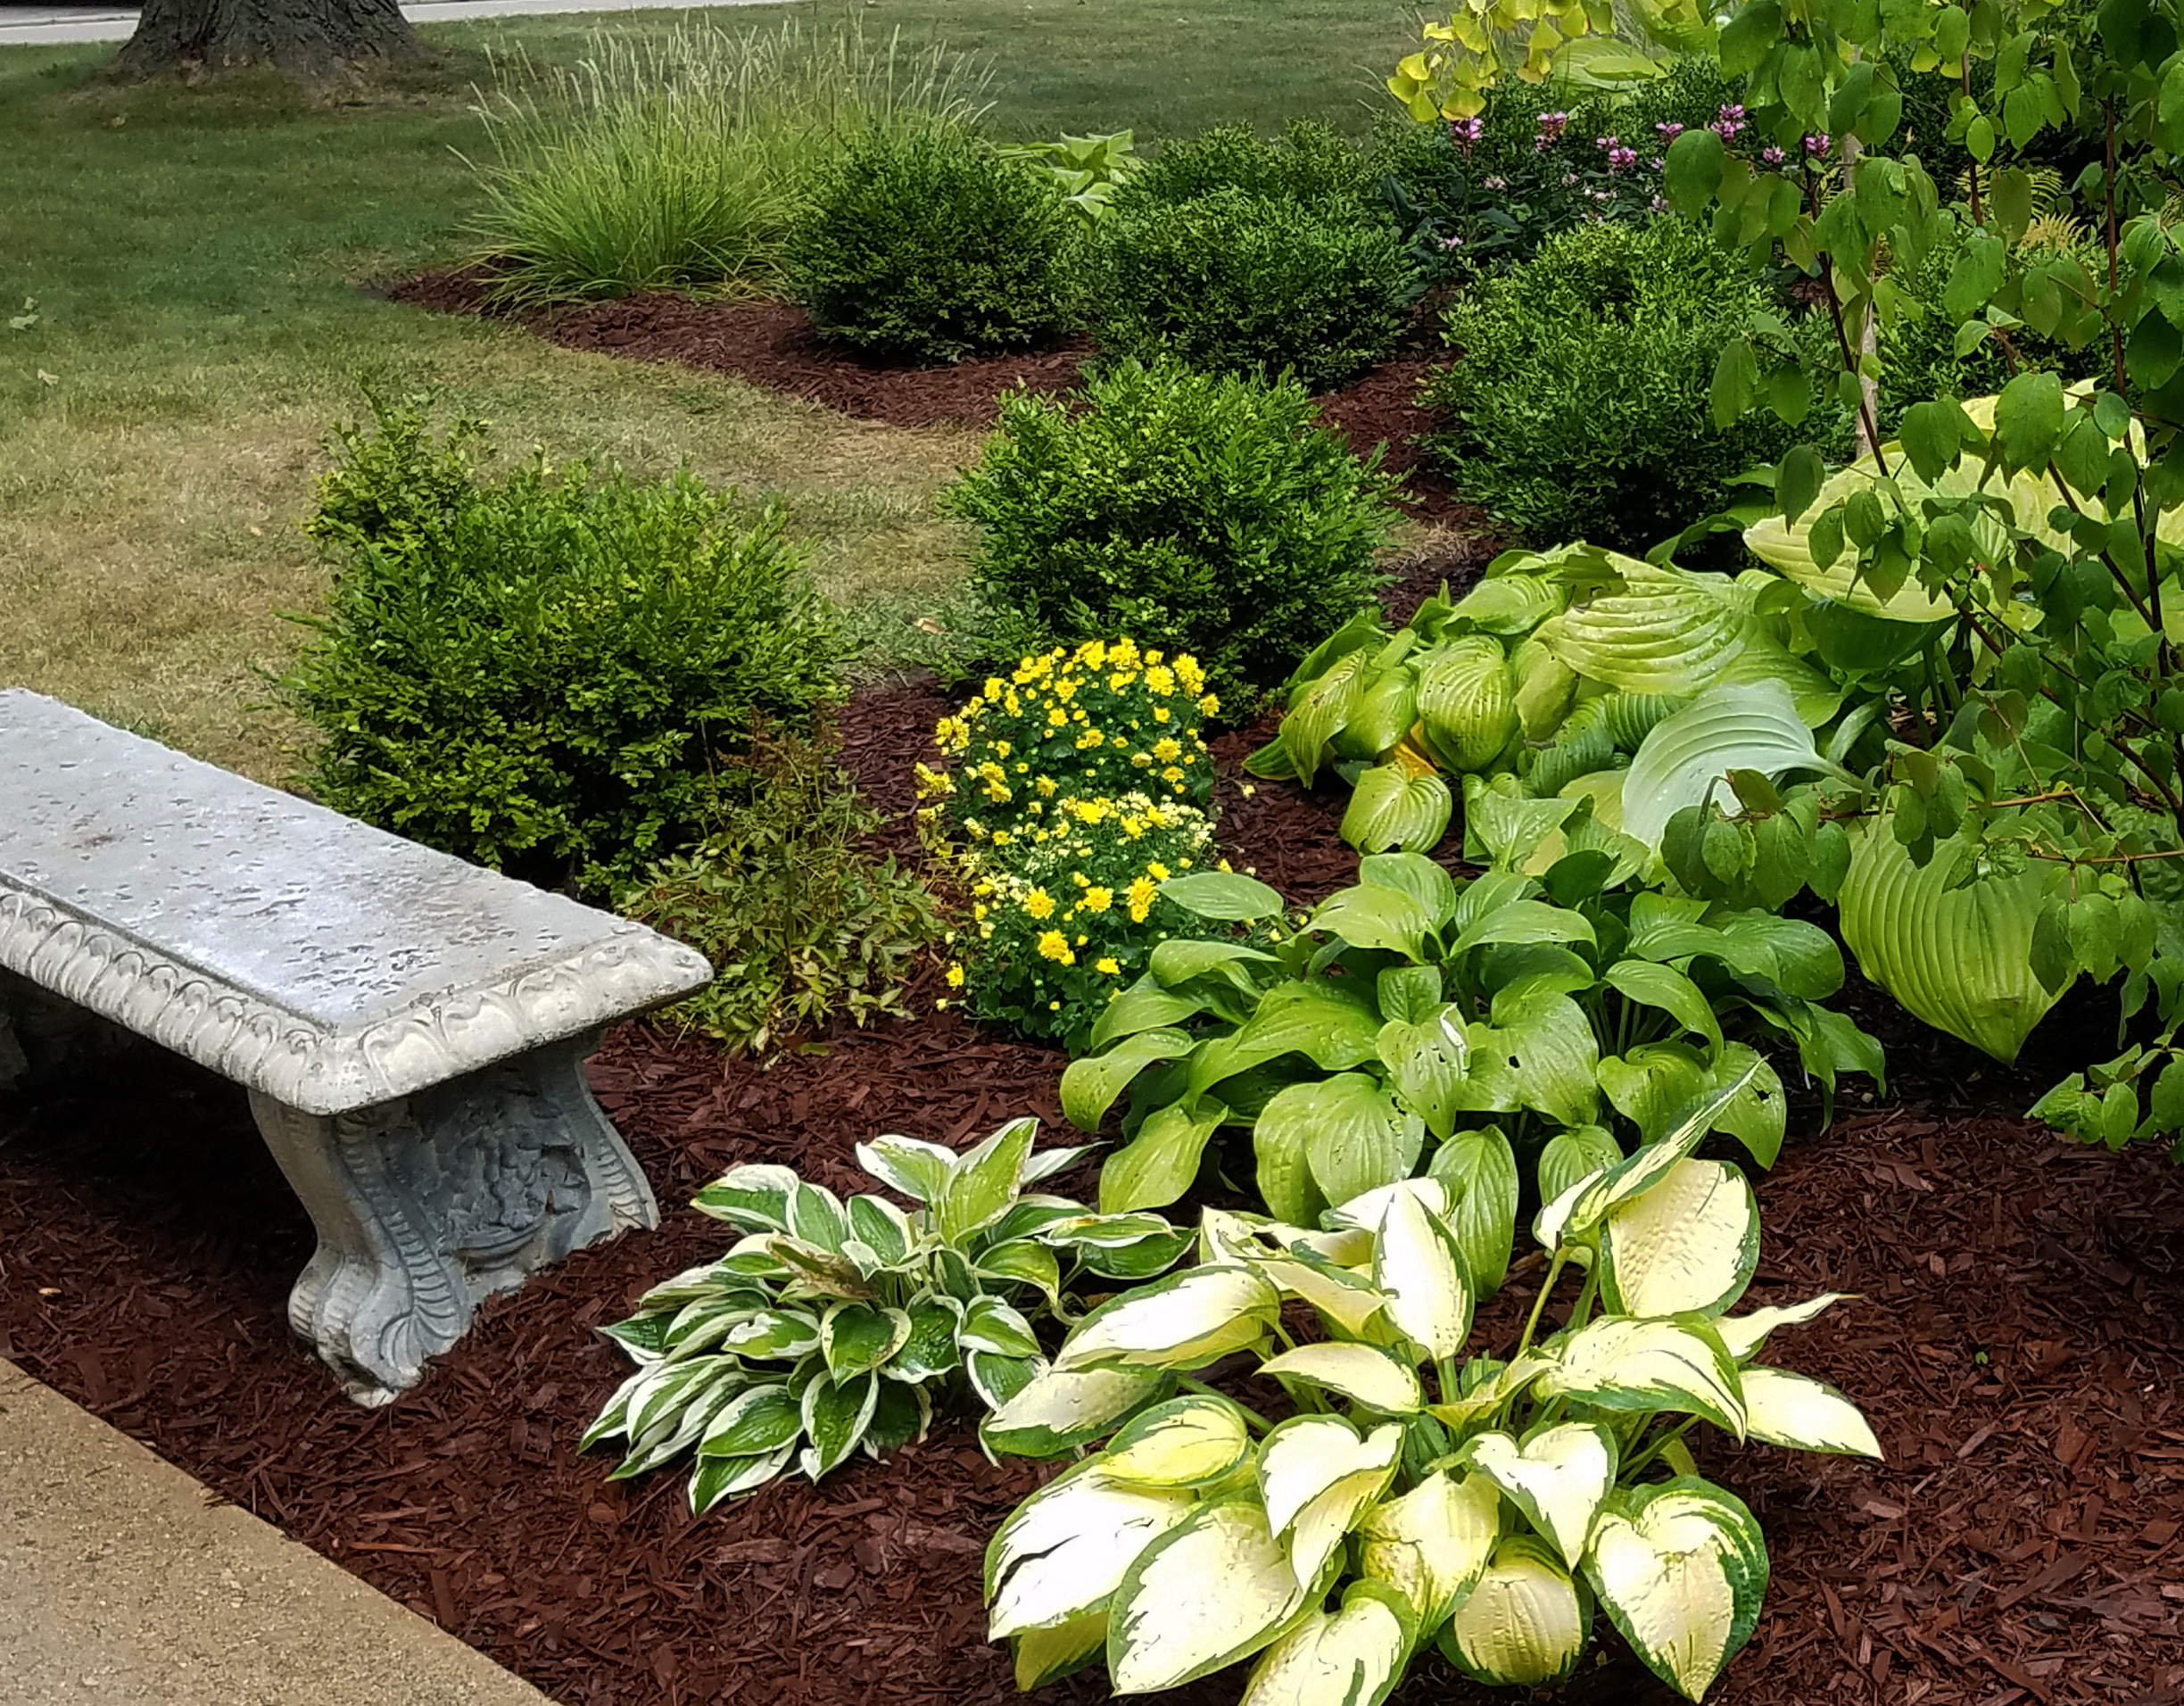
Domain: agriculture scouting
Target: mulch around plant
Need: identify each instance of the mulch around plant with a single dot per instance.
(2018, 1344)
(773, 344)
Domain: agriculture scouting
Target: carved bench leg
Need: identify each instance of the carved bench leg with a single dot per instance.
(427, 1206)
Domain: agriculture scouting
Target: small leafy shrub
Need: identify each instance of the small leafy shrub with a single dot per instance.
(1066, 916)
(1233, 282)
(1403, 1494)
(1416, 1021)
(1102, 720)
(800, 921)
(681, 162)
(550, 673)
(1577, 401)
(832, 1326)
(1199, 512)
(929, 246)
(1089, 171)
(1311, 163)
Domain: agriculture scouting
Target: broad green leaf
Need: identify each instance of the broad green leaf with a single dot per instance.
(857, 1337)
(1557, 1476)
(1333, 1027)
(1425, 882)
(1525, 1622)
(930, 1349)
(1577, 1212)
(1209, 1591)
(1321, 710)
(995, 1378)
(1146, 1005)
(1366, 1373)
(755, 1195)
(881, 1228)
(1686, 759)
(1355, 1657)
(986, 1182)
(757, 1420)
(1427, 1061)
(716, 1480)
(1523, 921)
(1067, 1547)
(992, 1325)
(1432, 1544)
(1665, 632)
(1064, 1409)
(1745, 1334)
(1223, 894)
(1690, 1242)
(1391, 806)
(1161, 1163)
(1184, 1322)
(1681, 1568)
(1480, 1168)
(1544, 1044)
(1181, 958)
(1653, 985)
(837, 1410)
(1619, 1364)
(1467, 702)
(773, 1335)
(1570, 1156)
(2028, 419)
(816, 1217)
(901, 1417)
(1804, 1414)
(1047, 1655)
(1373, 916)
(1352, 1136)
(1091, 1084)
(919, 1170)
(1419, 1268)
(1317, 1477)
(1188, 1442)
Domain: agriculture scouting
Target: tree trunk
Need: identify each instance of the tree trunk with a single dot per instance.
(313, 38)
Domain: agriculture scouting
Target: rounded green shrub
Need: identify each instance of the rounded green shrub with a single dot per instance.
(1311, 163)
(552, 675)
(929, 246)
(1576, 403)
(1234, 282)
(1197, 512)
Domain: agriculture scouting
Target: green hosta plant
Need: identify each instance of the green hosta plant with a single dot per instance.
(1087, 170)
(1418, 1021)
(832, 1326)
(1411, 1495)
(1578, 672)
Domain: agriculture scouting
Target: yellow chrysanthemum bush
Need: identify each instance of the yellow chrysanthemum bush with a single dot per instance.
(1071, 790)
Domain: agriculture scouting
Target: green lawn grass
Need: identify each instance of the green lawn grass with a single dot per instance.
(196, 257)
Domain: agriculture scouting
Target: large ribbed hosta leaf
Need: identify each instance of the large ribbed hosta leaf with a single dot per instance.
(1959, 958)
(1467, 699)
(1689, 756)
(1665, 630)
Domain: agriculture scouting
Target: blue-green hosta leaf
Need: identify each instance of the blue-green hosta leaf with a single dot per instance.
(1681, 1568)
(1804, 1414)
(1432, 1545)
(1047, 1655)
(1480, 1168)
(1418, 1267)
(1620, 1363)
(1466, 700)
(1352, 1136)
(1161, 1163)
(1369, 1374)
(986, 1181)
(1651, 984)
(1188, 1442)
(855, 1338)
(1525, 1622)
(1959, 958)
(1686, 759)
(1353, 1658)
(1091, 1084)
(1317, 1477)
(1184, 1322)
(1210, 1591)
(1062, 1410)
(1665, 631)
(837, 1410)
(754, 1196)
(1745, 1334)
(1393, 807)
(716, 1480)
(1558, 1477)
(1690, 1242)
(1065, 1549)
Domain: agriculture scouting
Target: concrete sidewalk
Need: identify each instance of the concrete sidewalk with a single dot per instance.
(122, 1584)
(30, 26)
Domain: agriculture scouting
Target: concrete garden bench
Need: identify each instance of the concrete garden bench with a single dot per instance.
(410, 1028)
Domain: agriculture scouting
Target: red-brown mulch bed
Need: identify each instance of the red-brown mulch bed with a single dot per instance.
(773, 344)
(2019, 1345)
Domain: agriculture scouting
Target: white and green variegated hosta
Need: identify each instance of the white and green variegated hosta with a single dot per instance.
(1578, 676)
(1420, 1022)
(833, 1327)
(1407, 1495)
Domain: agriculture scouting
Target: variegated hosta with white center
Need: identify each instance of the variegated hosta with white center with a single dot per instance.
(1411, 1495)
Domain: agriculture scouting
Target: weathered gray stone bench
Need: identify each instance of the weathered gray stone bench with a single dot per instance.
(410, 1028)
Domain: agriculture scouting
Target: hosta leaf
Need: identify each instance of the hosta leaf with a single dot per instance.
(1228, 895)
(919, 1170)
(1428, 1060)
(930, 1349)
(837, 1410)
(1047, 1655)
(1578, 1211)
(1619, 1364)
(1371, 1376)
(1147, 1005)
(1317, 1477)
(1347, 1301)
(1209, 1591)
(1681, 1568)
(1468, 701)
(1320, 712)
(992, 1325)
(1666, 632)
(1657, 1083)
(1745, 1334)
(1558, 1478)
(1066, 1548)
(1184, 1322)
(773, 1335)
(1161, 1163)
(1026, 1262)
(1543, 1042)
(1392, 807)
(1417, 876)
(1959, 958)
(1804, 1414)
(757, 1420)
(996, 1378)
(1480, 1168)
(1062, 1410)
(755, 1195)
(1432, 1544)
(1355, 1657)
(1372, 915)
(1332, 1027)
(719, 1479)
(1091, 1084)
(881, 1228)
(1420, 1269)
(1686, 759)
(855, 1337)
(1651, 984)
(1352, 1135)
(1799, 956)
(1186, 1442)
(986, 1181)
(1688, 1242)
(900, 1417)
(818, 1218)
(1525, 1623)
(1574, 1155)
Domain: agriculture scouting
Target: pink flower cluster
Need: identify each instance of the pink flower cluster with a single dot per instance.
(1464, 132)
(1668, 131)
(1728, 122)
(1620, 159)
(1818, 144)
(1551, 125)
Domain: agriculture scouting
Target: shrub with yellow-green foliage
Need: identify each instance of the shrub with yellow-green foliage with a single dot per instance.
(1102, 721)
(1066, 913)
